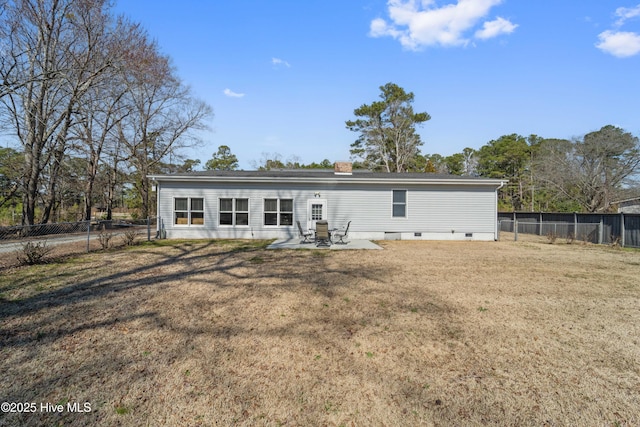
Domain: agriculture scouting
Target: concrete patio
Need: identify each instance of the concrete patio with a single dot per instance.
(295, 244)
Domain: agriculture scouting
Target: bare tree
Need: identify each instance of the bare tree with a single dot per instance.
(89, 60)
(55, 57)
(101, 110)
(591, 171)
(76, 81)
(606, 158)
(103, 107)
(164, 116)
(113, 174)
(34, 99)
(470, 161)
(555, 166)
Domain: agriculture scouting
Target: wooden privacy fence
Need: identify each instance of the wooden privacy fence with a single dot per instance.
(620, 228)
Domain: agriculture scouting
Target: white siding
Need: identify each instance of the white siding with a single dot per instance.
(435, 211)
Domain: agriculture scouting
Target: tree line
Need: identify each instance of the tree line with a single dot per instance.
(90, 106)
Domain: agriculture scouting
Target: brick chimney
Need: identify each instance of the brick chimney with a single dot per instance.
(343, 168)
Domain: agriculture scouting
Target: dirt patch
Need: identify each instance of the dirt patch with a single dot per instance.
(421, 333)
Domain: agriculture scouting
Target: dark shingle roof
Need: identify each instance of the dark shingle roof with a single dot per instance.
(312, 173)
(325, 176)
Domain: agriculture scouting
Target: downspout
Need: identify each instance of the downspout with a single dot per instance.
(157, 184)
(496, 231)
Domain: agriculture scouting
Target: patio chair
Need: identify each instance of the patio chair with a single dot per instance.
(304, 234)
(341, 234)
(323, 238)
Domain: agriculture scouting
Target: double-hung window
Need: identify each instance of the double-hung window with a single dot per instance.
(234, 211)
(278, 212)
(399, 209)
(188, 211)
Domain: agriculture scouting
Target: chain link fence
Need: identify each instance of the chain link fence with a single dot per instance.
(621, 229)
(82, 235)
(585, 232)
(21, 232)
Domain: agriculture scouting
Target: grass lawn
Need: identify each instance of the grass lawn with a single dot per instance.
(421, 333)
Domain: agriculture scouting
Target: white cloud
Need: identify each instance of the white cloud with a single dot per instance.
(232, 94)
(419, 24)
(491, 29)
(619, 43)
(625, 13)
(280, 62)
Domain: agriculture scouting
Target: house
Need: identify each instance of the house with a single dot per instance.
(628, 205)
(268, 204)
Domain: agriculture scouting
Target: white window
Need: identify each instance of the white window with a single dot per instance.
(316, 211)
(188, 211)
(278, 212)
(234, 212)
(399, 209)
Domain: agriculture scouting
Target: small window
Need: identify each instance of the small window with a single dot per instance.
(234, 211)
(316, 211)
(188, 211)
(278, 212)
(399, 203)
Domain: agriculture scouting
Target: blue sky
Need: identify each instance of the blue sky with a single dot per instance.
(284, 76)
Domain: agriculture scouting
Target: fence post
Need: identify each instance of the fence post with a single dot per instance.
(601, 231)
(88, 234)
(148, 229)
(540, 226)
(622, 230)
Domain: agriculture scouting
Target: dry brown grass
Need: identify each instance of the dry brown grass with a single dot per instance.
(56, 252)
(421, 333)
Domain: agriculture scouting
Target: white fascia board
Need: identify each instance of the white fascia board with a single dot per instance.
(333, 181)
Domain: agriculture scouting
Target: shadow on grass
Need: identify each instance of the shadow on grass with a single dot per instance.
(111, 295)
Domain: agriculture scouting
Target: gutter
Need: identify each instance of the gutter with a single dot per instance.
(334, 180)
